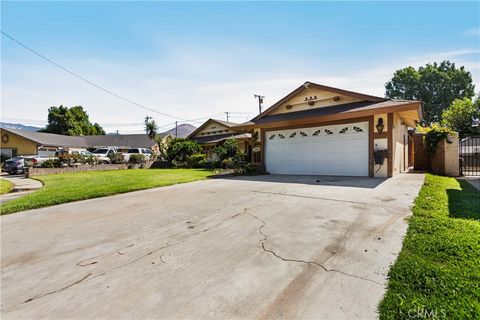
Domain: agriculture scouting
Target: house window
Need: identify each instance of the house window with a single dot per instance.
(327, 131)
(344, 130)
(293, 135)
(316, 133)
(357, 129)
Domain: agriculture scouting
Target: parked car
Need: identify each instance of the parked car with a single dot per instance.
(103, 154)
(20, 163)
(146, 152)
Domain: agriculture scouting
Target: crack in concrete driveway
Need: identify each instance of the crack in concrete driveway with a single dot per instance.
(186, 252)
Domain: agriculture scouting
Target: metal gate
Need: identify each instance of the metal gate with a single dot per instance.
(470, 156)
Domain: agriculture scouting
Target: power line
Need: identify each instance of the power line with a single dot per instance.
(88, 81)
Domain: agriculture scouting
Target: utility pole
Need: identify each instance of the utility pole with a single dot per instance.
(176, 129)
(146, 122)
(227, 113)
(260, 101)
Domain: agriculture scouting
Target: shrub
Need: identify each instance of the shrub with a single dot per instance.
(227, 149)
(137, 159)
(196, 160)
(180, 149)
(116, 158)
(51, 163)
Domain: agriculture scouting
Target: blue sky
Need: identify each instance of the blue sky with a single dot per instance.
(197, 60)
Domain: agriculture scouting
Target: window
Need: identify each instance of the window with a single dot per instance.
(344, 130)
(133, 151)
(327, 131)
(303, 134)
(271, 137)
(316, 133)
(293, 135)
(110, 152)
(281, 136)
(357, 129)
(147, 151)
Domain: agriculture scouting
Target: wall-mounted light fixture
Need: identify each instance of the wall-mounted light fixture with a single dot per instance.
(380, 125)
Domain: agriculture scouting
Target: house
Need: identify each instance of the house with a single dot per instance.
(214, 132)
(321, 130)
(19, 142)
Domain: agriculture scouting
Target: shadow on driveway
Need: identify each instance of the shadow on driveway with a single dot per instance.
(339, 181)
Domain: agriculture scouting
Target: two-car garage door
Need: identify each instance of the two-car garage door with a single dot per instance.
(326, 150)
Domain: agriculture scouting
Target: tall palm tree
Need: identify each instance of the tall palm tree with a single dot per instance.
(151, 129)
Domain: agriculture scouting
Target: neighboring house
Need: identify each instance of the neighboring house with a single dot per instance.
(322, 130)
(19, 142)
(214, 132)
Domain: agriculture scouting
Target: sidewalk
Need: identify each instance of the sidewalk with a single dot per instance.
(474, 181)
(21, 186)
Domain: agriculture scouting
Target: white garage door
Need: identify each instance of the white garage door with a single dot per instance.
(327, 150)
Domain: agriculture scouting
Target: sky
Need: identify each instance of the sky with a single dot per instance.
(198, 60)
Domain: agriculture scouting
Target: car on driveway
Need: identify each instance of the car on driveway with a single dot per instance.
(20, 163)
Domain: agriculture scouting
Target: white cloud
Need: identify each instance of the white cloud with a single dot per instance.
(193, 82)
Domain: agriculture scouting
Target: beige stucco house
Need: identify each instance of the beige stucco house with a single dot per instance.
(322, 130)
(214, 132)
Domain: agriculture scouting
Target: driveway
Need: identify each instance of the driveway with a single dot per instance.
(252, 247)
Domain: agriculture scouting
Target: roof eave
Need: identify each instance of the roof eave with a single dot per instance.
(416, 105)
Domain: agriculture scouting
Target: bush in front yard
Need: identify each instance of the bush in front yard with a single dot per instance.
(137, 159)
(196, 160)
(116, 158)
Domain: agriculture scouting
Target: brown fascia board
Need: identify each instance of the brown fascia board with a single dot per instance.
(337, 116)
(321, 87)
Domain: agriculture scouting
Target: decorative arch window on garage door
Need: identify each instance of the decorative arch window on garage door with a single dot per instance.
(271, 137)
(357, 129)
(344, 130)
(328, 131)
(293, 135)
(281, 136)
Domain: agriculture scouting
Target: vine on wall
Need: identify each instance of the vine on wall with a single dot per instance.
(433, 135)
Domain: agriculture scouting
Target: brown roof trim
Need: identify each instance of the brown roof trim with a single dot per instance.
(321, 87)
(223, 123)
(335, 116)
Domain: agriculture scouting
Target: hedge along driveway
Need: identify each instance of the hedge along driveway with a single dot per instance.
(68, 187)
(437, 274)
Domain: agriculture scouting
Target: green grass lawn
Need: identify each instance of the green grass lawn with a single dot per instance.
(437, 273)
(5, 186)
(68, 187)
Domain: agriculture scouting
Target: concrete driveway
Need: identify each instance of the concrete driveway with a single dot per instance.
(255, 247)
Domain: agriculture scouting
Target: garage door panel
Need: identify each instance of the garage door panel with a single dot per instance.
(326, 150)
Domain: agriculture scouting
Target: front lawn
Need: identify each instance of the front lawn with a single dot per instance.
(68, 187)
(437, 274)
(5, 186)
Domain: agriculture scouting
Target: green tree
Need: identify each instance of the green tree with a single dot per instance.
(180, 149)
(462, 115)
(227, 149)
(71, 122)
(437, 85)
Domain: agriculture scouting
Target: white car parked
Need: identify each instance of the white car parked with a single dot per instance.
(146, 152)
(103, 154)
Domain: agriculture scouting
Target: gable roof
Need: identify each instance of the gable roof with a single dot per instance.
(49, 139)
(118, 140)
(354, 109)
(308, 84)
(223, 123)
